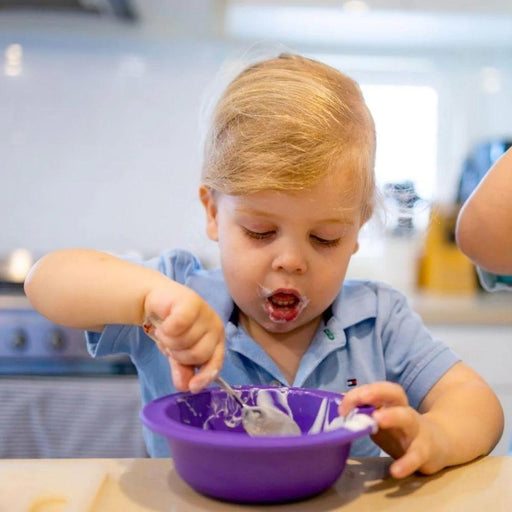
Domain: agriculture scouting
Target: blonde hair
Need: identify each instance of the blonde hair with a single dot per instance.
(285, 124)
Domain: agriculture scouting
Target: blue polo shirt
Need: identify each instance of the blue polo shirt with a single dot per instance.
(368, 334)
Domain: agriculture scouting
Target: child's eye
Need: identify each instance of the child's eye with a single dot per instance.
(325, 242)
(258, 235)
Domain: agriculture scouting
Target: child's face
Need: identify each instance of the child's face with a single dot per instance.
(284, 255)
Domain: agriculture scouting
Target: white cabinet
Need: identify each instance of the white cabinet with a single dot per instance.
(488, 350)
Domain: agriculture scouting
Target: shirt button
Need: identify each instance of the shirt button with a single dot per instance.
(275, 383)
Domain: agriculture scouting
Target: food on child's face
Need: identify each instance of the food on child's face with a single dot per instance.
(283, 305)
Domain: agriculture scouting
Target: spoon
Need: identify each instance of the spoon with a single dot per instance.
(257, 420)
(262, 420)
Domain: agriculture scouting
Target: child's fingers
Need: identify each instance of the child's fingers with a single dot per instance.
(400, 417)
(184, 376)
(181, 374)
(417, 457)
(406, 465)
(378, 394)
(175, 334)
(183, 342)
(200, 352)
(178, 324)
(209, 371)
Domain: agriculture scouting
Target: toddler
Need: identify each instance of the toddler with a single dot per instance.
(287, 183)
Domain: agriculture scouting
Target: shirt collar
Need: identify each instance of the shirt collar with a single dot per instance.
(354, 304)
(328, 338)
(237, 340)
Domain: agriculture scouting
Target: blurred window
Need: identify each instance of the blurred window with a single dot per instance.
(406, 120)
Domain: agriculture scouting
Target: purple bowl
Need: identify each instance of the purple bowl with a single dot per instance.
(215, 456)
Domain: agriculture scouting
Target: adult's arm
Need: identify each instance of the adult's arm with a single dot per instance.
(484, 225)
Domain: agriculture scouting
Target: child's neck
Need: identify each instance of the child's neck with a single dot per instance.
(285, 349)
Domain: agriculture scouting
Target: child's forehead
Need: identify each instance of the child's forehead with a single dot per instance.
(329, 204)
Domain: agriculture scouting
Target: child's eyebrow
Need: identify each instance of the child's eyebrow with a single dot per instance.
(247, 210)
(342, 220)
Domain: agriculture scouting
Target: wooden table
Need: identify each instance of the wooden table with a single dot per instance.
(135, 485)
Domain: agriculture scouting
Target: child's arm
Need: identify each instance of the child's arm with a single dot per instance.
(484, 226)
(88, 289)
(459, 419)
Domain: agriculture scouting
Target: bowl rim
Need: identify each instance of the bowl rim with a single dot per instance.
(153, 415)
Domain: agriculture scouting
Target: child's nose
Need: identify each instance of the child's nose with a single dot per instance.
(290, 260)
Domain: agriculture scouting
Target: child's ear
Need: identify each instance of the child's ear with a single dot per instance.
(207, 197)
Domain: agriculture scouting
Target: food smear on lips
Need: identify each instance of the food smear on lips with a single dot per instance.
(283, 305)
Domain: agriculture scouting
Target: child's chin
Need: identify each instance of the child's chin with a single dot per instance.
(280, 325)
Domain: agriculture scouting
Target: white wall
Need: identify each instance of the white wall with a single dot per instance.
(100, 134)
(100, 144)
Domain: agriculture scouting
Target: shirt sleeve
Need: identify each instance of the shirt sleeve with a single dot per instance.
(493, 282)
(413, 357)
(130, 339)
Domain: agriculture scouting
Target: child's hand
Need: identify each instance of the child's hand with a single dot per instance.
(405, 434)
(189, 332)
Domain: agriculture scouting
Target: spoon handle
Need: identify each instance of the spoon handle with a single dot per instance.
(228, 389)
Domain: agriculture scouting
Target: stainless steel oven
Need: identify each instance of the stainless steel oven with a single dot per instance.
(57, 401)
(32, 345)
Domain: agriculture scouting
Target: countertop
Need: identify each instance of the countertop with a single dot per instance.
(479, 309)
(137, 485)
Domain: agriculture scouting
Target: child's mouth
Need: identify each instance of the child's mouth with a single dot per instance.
(284, 305)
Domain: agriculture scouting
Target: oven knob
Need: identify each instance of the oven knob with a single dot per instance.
(57, 340)
(19, 340)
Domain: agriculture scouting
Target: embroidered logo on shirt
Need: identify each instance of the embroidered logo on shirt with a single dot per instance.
(351, 383)
(329, 334)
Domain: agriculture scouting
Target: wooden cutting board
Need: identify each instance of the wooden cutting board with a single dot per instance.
(70, 486)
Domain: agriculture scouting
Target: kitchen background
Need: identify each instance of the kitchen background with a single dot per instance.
(103, 105)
